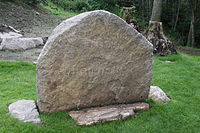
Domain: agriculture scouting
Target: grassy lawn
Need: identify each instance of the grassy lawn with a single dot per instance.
(180, 79)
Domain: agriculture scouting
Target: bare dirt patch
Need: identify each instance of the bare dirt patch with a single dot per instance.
(31, 21)
(30, 55)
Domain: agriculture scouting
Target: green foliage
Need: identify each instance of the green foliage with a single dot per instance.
(58, 11)
(88, 5)
(102, 4)
(183, 25)
(179, 79)
(108, 5)
(76, 5)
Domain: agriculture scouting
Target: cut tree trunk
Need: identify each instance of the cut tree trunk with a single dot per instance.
(190, 40)
(157, 10)
(191, 35)
(161, 44)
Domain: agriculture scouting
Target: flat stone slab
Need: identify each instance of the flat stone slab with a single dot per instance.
(157, 94)
(104, 114)
(10, 35)
(15, 44)
(25, 110)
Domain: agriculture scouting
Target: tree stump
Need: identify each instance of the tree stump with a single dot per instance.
(162, 46)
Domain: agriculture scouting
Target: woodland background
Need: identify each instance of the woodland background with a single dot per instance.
(179, 17)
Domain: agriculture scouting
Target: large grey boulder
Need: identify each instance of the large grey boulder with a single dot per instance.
(104, 114)
(157, 94)
(93, 59)
(25, 110)
(14, 44)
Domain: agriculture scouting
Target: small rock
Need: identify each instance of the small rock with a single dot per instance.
(158, 94)
(104, 114)
(25, 110)
(37, 13)
(14, 44)
(35, 62)
(168, 61)
(10, 35)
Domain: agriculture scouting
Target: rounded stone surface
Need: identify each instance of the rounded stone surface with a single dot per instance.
(93, 59)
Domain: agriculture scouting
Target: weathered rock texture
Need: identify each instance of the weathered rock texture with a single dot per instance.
(9, 35)
(158, 94)
(25, 110)
(20, 43)
(108, 113)
(93, 59)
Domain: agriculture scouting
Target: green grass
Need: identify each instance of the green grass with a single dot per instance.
(57, 10)
(180, 79)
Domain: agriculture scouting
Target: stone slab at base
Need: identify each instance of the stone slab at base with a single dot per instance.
(104, 114)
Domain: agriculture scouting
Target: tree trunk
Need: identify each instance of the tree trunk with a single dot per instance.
(190, 41)
(157, 10)
(177, 15)
(191, 35)
(161, 44)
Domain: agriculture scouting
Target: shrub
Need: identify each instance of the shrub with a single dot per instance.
(76, 5)
(88, 5)
(81, 5)
(109, 5)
